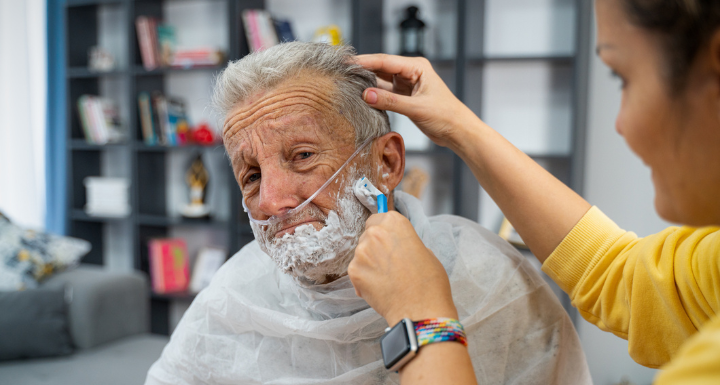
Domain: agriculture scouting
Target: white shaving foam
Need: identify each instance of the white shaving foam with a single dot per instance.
(315, 256)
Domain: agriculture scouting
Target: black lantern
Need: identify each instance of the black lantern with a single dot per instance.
(412, 31)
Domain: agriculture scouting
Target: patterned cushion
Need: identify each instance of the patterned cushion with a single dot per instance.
(27, 257)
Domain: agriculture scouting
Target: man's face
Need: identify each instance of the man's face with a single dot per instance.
(284, 144)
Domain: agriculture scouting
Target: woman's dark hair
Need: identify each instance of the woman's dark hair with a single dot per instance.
(683, 27)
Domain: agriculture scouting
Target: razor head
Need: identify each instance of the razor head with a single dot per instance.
(370, 196)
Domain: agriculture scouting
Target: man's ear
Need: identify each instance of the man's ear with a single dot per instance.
(389, 151)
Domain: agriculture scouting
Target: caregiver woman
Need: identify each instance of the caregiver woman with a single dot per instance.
(661, 292)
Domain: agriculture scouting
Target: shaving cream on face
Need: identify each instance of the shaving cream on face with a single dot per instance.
(312, 255)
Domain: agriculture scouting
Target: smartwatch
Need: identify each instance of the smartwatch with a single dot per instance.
(401, 342)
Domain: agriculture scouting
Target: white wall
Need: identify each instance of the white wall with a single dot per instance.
(22, 111)
(620, 185)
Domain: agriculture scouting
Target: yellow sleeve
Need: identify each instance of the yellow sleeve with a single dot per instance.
(698, 360)
(655, 291)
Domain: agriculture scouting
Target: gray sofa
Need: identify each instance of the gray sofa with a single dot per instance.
(108, 322)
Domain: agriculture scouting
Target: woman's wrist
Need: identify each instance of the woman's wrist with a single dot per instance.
(466, 125)
(422, 312)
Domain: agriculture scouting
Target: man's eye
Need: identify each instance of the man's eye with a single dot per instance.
(253, 177)
(305, 155)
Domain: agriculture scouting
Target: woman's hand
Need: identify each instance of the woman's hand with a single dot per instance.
(410, 86)
(541, 208)
(397, 275)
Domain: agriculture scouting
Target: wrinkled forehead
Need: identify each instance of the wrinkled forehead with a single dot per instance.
(305, 93)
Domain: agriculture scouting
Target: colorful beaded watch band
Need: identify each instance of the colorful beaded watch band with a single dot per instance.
(439, 330)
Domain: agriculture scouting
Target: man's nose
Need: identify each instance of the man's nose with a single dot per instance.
(278, 191)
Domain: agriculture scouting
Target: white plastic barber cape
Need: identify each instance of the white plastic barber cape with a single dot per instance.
(256, 325)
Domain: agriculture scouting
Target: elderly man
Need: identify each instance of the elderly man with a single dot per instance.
(282, 310)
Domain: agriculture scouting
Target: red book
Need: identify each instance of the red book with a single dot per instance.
(169, 266)
(142, 26)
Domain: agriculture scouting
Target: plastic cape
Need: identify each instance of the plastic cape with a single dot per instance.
(256, 325)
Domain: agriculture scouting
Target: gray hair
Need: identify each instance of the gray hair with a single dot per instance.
(264, 70)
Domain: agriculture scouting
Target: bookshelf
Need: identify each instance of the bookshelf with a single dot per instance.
(155, 172)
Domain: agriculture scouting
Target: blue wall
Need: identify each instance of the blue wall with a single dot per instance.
(55, 167)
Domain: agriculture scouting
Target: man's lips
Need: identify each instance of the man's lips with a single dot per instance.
(290, 229)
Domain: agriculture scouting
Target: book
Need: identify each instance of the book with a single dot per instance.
(159, 104)
(166, 44)
(284, 31)
(157, 129)
(144, 27)
(207, 263)
(146, 119)
(197, 57)
(85, 122)
(100, 120)
(169, 269)
(175, 109)
(259, 29)
(163, 120)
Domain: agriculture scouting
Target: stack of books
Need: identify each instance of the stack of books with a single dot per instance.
(263, 32)
(158, 48)
(107, 197)
(169, 265)
(163, 120)
(100, 120)
(196, 57)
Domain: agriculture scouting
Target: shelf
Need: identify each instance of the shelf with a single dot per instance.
(559, 59)
(180, 296)
(84, 72)
(154, 172)
(191, 147)
(79, 3)
(141, 71)
(81, 215)
(83, 145)
(159, 220)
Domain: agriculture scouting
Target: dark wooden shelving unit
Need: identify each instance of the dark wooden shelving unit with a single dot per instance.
(145, 166)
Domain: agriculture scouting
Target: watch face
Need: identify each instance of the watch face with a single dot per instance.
(395, 345)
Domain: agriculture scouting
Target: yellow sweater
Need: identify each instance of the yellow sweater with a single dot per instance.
(661, 292)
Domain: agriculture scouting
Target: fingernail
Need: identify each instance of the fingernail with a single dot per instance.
(371, 97)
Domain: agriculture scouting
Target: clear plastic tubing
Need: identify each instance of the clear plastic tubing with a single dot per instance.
(277, 218)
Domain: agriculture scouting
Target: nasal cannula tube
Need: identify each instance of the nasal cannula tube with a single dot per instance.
(275, 218)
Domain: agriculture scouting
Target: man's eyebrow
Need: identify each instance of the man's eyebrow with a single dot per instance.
(603, 46)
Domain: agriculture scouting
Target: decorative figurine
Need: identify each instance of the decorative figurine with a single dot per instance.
(412, 31)
(100, 60)
(329, 34)
(197, 179)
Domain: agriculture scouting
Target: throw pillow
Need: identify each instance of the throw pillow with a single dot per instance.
(34, 323)
(27, 257)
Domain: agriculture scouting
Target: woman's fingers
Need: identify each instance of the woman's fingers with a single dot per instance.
(385, 85)
(417, 92)
(390, 101)
(406, 67)
(385, 77)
